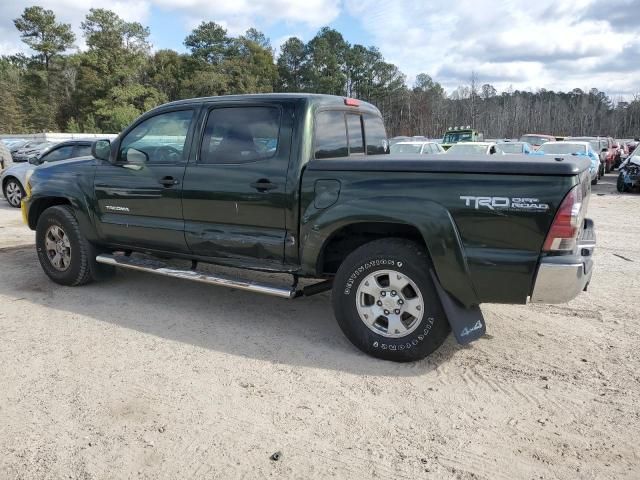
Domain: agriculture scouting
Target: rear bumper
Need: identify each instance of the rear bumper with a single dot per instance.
(562, 278)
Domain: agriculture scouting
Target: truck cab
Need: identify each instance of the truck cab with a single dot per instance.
(461, 134)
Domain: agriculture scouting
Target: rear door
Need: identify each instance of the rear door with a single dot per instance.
(139, 197)
(234, 195)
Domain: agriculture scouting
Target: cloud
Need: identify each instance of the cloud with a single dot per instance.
(547, 44)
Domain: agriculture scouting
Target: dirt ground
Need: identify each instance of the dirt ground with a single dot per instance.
(149, 377)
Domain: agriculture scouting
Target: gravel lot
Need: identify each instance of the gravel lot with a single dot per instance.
(148, 377)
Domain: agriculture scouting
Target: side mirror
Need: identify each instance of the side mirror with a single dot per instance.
(101, 149)
(34, 161)
(605, 149)
(136, 157)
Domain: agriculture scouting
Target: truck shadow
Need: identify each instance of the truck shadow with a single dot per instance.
(296, 332)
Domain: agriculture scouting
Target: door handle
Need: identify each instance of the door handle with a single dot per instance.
(263, 185)
(168, 181)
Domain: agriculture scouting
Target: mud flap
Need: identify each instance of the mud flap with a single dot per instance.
(467, 324)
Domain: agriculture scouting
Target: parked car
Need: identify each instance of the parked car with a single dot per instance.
(5, 157)
(576, 148)
(31, 150)
(14, 179)
(600, 145)
(461, 134)
(409, 248)
(475, 148)
(417, 147)
(629, 173)
(537, 139)
(15, 143)
(399, 139)
(513, 148)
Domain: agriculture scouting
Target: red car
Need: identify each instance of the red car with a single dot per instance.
(609, 149)
(536, 139)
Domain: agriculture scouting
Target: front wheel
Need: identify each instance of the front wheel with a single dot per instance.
(13, 192)
(620, 184)
(65, 254)
(385, 301)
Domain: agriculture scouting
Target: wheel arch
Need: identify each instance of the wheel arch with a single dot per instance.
(433, 228)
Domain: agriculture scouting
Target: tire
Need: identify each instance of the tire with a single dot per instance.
(594, 181)
(602, 170)
(620, 185)
(372, 265)
(607, 167)
(13, 192)
(58, 236)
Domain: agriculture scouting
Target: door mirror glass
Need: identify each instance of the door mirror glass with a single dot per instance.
(101, 149)
(34, 161)
(135, 156)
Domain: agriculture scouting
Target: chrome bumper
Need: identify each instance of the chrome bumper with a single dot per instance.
(562, 278)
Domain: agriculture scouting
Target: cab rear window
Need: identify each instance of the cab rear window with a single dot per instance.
(343, 134)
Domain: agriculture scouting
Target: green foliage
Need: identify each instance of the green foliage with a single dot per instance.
(290, 63)
(209, 42)
(40, 31)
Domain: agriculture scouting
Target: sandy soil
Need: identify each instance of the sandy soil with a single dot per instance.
(146, 377)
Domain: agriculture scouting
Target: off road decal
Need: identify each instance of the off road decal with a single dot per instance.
(505, 203)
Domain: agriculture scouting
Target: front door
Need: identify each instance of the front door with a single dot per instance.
(139, 196)
(234, 196)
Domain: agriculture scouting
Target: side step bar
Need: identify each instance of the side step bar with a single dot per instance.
(160, 268)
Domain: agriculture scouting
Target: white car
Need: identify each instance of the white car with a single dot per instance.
(576, 148)
(14, 178)
(416, 147)
(475, 148)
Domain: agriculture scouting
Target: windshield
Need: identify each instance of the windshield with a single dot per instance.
(562, 148)
(533, 139)
(511, 147)
(468, 149)
(456, 137)
(406, 148)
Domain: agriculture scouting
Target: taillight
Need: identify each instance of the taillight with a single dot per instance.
(566, 225)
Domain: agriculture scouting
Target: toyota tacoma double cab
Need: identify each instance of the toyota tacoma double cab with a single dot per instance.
(410, 246)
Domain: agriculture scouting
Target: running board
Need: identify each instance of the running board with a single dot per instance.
(154, 266)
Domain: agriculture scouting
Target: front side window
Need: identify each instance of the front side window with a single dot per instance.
(159, 139)
(61, 153)
(82, 151)
(236, 135)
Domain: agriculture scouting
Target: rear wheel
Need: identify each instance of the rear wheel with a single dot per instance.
(385, 301)
(13, 192)
(65, 254)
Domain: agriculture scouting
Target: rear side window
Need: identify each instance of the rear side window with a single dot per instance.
(376, 135)
(354, 131)
(236, 135)
(331, 135)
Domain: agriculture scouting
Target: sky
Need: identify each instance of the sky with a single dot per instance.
(525, 45)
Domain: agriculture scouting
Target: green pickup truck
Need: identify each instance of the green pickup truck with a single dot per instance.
(302, 184)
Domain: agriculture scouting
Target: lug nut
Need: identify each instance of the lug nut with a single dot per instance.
(383, 294)
(386, 312)
(397, 311)
(379, 303)
(393, 293)
(400, 301)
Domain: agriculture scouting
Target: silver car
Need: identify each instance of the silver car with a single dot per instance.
(14, 178)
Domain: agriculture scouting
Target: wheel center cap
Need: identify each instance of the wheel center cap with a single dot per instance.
(389, 303)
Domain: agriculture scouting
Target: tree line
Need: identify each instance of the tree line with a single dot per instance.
(117, 77)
